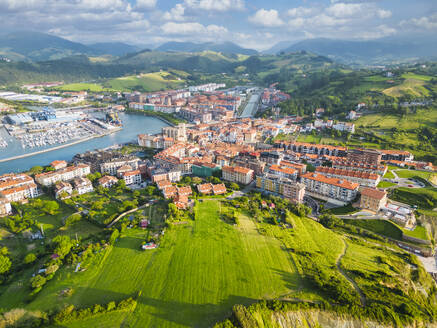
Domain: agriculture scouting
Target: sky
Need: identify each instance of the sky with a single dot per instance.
(256, 24)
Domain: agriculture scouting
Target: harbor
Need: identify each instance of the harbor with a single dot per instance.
(15, 158)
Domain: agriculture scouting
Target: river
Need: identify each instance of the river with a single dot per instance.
(133, 124)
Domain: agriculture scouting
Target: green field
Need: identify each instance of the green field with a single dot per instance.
(385, 184)
(381, 227)
(424, 198)
(199, 271)
(413, 173)
(91, 87)
(148, 82)
(419, 232)
(389, 175)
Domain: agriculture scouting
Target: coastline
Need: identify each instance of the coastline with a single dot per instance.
(56, 147)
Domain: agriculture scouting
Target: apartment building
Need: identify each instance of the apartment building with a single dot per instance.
(365, 179)
(357, 166)
(290, 189)
(63, 188)
(131, 177)
(369, 156)
(321, 186)
(249, 162)
(237, 174)
(66, 174)
(111, 166)
(16, 187)
(308, 148)
(155, 142)
(373, 199)
(283, 171)
(108, 181)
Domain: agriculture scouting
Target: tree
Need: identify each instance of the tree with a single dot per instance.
(5, 264)
(62, 245)
(50, 207)
(234, 186)
(30, 258)
(37, 281)
(36, 170)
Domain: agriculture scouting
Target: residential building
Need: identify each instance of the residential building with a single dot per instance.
(131, 177)
(107, 181)
(344, 164)
(82, 185)
(289, 189)
(205, 169)
(362, 178)
(237, 174)
(177, 133)
(16, 187)
(283, 171)
(219, 189)
(369, 156)
(65, 174)
(111, 166)
(63, 190)
(205, 188)
(57, 165)
(344, 126)
(321, 186)
(373, 199)
(163, 184)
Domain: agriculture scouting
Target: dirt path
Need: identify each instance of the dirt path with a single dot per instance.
(362, 297)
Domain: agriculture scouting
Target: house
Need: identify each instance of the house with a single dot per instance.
(181, 201)
(123, 169)
(205, 188)
(63, 189)
(107, 181)
(373, 199)
(219, 189)
(185, 191)
(83, 185)
(321, 186)
(169, 192)
(237, 174)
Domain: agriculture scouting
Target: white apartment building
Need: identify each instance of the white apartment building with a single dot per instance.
(112, 166)
(131, 177)
(16, 187)
(66, 174)
(322, 186)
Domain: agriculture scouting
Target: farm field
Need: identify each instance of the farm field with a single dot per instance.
(381, 227)
(91, 87)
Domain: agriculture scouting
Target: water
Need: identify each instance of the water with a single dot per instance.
(133, 124)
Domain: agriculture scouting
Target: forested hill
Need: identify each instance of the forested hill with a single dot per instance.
(260, 69)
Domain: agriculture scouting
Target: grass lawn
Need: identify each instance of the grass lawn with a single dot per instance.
(147, 82)
(381, 227)
(419, 232)
(348, 209)
(413, 173)
(424, 198)
(389, 175)
(194, 278)
(385, 184)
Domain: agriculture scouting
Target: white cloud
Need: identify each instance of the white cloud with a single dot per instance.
(378, 32)
(425, 22)
(195, 29)
(176, 13)
(345, 9)
(383, 13)
(268, 18)
(146, 4)
(301, 11)
(215, 5)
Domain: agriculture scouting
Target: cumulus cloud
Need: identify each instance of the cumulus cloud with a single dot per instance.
(215, 5)
(268, 18)
(176, 13)
(301, 11)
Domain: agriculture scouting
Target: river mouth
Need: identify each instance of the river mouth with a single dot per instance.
(133, 124)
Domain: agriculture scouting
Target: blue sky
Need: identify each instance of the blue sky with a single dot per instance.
(257, 24)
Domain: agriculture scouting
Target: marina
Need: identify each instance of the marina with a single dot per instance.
(15, 158)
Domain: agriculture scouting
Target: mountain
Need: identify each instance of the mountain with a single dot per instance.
(375, 51)
(114, 48)
(225, 47)
(35, 46)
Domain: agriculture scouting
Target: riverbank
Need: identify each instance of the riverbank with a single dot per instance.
(57, 147)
